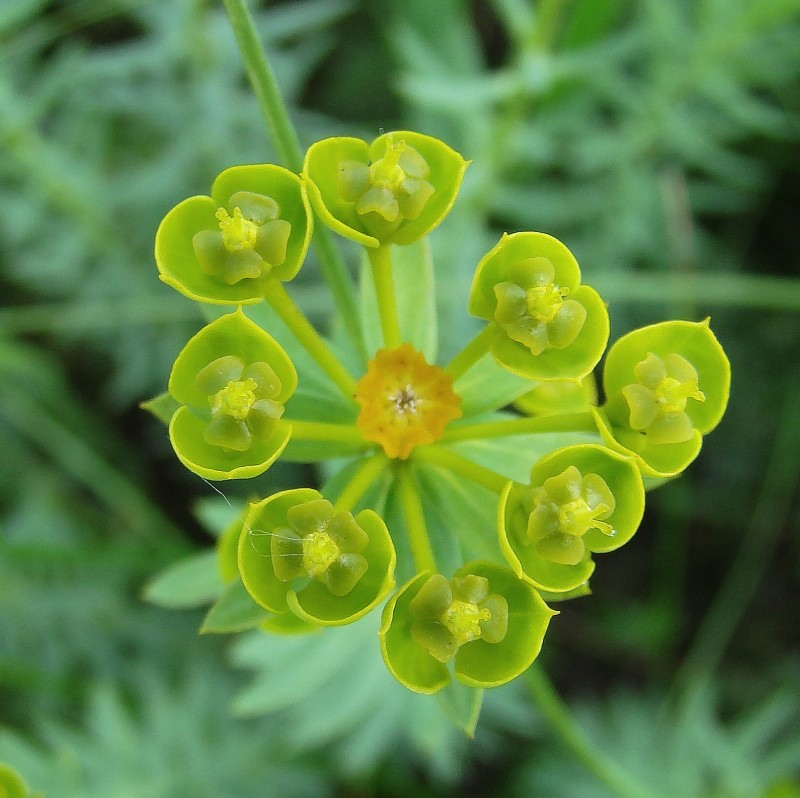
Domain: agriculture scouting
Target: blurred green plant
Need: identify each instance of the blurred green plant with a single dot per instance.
(603, 136)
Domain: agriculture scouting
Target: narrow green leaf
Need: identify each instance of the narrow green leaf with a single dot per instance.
(415, 291)
(234, 612)
(191, 582)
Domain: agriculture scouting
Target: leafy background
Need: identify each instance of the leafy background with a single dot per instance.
(658, 139)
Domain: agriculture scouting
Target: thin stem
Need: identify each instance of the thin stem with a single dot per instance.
(381, 262)
(295, 320)
(562, 422)
(561, 721)
(344, 295)
(265, 85)
(713, 289)
(479, 346)
(418, 538)
(478, 474)
(320, 431)
(368, 471)
(283, 134)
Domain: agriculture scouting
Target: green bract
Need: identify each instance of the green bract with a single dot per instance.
(553, 328)
(486, 621)
(666, 386)
(559, 396)
(255, 226)
(11, 783)
(581, 499)
(232, 380)
(394, 191)
(329, 568)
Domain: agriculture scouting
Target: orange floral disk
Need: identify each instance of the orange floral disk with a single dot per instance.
(405, 402)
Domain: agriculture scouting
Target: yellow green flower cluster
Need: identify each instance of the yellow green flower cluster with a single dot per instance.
(259, 383)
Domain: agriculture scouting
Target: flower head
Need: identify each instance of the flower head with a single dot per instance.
(582, 499)
(395, 190)
(232, 381)
(666, 386)
(484, 622)
(553, 327)
(298, 554)
(405, 402)
(255, 226)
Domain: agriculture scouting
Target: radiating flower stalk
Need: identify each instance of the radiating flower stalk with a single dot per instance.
(312, 557)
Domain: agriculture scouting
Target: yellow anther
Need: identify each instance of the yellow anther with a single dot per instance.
(238, 233)
(319, 552)
(387, 172)
(672, 394)
(235, 399)
(463, 620)
(544, 301)
(577, 518)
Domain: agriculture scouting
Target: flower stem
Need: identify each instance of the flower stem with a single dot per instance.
(295, 320)
(561, 721)
(418, 538)
(480, 345)
(480, 475)
(368, 471)
(320, 431)
(561, 422)
(265, 85)
(284, 137)
(344, 294)
(381, 262)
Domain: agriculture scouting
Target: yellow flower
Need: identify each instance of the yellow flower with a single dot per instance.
(405, 402)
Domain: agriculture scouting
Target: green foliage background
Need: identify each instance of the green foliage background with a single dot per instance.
(658, 138)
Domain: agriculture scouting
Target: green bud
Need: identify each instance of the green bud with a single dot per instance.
(666, 386)
(255, 226)
(581, 500)
(554, 327)
(329, 568)
(484, 623)
(394, 191)
(231, 380)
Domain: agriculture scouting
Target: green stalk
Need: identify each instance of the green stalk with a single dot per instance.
(284, 137)
(418, 538)
(561, 422)
(314, 344)
(335, 274)
(381, 261)
(479, 346)
(265, 85)
(368, 471)
(561, 721)
(448, 459)
(320, 431)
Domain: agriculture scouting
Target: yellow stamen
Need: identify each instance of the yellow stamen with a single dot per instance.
(462, 619)
(238, 233)
(235, 399)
